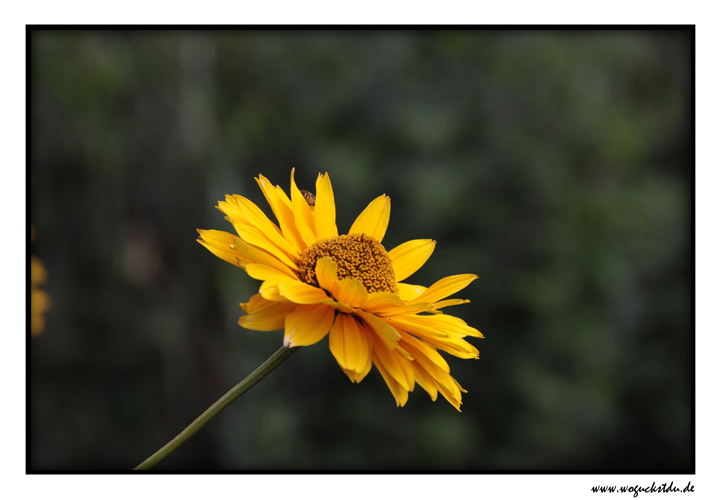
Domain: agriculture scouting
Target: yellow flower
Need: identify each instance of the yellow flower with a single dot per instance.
(317, 282)
(39, 300)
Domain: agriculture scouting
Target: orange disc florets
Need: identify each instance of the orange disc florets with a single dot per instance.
(358, 256)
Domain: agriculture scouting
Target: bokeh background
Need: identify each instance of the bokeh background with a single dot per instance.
(557, 166)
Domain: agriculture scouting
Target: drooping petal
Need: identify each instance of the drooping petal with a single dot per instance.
(426, 355)
(425, 380)
(358, 377)
(429, 359)
(445, 287)
(303, 216)
(264, 315)
(325, 212)
(395, 364)
(456, 347)
(439, 337)
(410, 256)
(452, 325)
(374, 220)
(387, 333)
(441, 325)
(307, 324)
(350, 344)
(400, 394)
(453, 396)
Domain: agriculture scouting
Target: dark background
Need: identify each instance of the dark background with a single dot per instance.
(557, 166)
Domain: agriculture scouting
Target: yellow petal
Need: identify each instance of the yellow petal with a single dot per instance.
(429, 360)
(39, 301)
(456, 347)
(452, 396)
(348, 291)
(219, 243)
(438, 336)
(301, 293)
(349, 344)
(409, 292)
(282, 209)
(385, 304)
(285, 199)
(395, 364)
(387, 333)
(231, 209)
(410, 256)
(445, 287)
(307, 325)
(380, 300)
(264, 272)
(426, 355)
(452, 325)
(272, 278)
(425, 380)
(351, 291)
(358, 377)
(374, 220)
(253, 254)
(264, 315)
(254, 236)
(404, 310)
(37, 323)
(325, 213)
(450, 302)
(256, 218)
(38, 273)
(339, 306)
(303, 215)
(400, 394)
(417, 326)
(326, 274)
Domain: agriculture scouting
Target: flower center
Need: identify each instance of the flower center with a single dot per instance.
(358, 256)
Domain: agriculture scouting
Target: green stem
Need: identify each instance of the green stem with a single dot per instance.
(271, 363)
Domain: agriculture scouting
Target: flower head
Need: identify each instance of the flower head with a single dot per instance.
(39, 299)
(317, 283)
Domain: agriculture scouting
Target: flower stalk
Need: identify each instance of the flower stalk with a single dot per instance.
(267, 367)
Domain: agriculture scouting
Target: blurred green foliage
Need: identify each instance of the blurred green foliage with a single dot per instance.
(557, 166)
